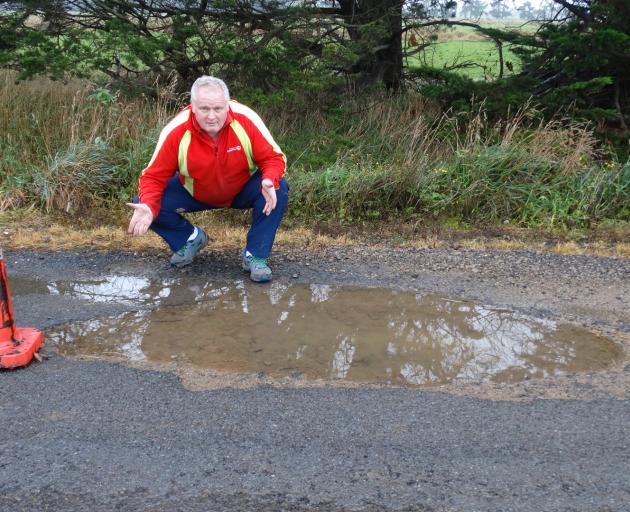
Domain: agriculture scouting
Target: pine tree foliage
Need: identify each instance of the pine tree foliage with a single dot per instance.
(579, 58)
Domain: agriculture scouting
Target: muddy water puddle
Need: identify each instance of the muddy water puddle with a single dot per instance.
(326, 332)
(108, 288)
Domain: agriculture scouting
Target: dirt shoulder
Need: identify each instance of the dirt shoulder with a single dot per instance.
(589, 291)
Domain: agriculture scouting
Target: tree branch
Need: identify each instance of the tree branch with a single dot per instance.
(579, 12)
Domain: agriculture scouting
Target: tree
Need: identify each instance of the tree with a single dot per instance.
(498, 9)
(527, 11)
(580, 56)
(438, 9)
(473, 8)
(375, 28)
(547, 10)
(263, 42)
(584, 60)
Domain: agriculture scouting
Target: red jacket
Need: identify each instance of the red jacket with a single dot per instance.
(212, 173)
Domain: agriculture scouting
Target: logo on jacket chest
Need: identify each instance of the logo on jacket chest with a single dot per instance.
(233, 148)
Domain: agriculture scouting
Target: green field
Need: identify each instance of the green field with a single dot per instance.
(476, 59)
(469, 53)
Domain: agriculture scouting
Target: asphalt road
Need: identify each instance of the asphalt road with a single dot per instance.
(96, 436)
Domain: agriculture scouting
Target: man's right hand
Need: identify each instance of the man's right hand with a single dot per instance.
(141, 219)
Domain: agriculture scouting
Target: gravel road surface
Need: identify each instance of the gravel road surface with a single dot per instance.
(92, 435)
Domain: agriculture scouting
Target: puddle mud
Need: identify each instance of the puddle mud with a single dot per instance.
(319, 332)
(27, 286)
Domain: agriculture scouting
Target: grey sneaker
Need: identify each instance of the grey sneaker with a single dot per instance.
(259, 271)
(186, 254)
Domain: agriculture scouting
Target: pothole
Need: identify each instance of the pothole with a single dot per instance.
(361, 335)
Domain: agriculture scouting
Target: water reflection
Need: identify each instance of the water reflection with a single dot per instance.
(321, 331)
(115, 288)
(118, 288)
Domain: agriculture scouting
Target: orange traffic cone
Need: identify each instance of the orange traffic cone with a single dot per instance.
(18, 345)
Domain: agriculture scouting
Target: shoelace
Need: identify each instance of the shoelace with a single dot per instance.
(183, 249)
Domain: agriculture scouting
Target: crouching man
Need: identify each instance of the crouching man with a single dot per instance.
(216, 153)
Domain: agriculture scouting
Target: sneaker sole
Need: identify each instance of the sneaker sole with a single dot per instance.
(180, 265)
(263, 280)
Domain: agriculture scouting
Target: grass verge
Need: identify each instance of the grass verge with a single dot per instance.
(77, 151)
(29, 229)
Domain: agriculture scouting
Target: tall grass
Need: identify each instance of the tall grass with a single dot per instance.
(67, 147)
(64, 145)
(408, 161)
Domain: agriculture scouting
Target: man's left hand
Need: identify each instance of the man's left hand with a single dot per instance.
(269, 193)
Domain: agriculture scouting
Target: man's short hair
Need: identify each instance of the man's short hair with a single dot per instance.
(208, 81)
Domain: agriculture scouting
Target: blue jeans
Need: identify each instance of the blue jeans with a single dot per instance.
(175, 228)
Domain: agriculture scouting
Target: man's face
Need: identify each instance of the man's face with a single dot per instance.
(210, 109)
